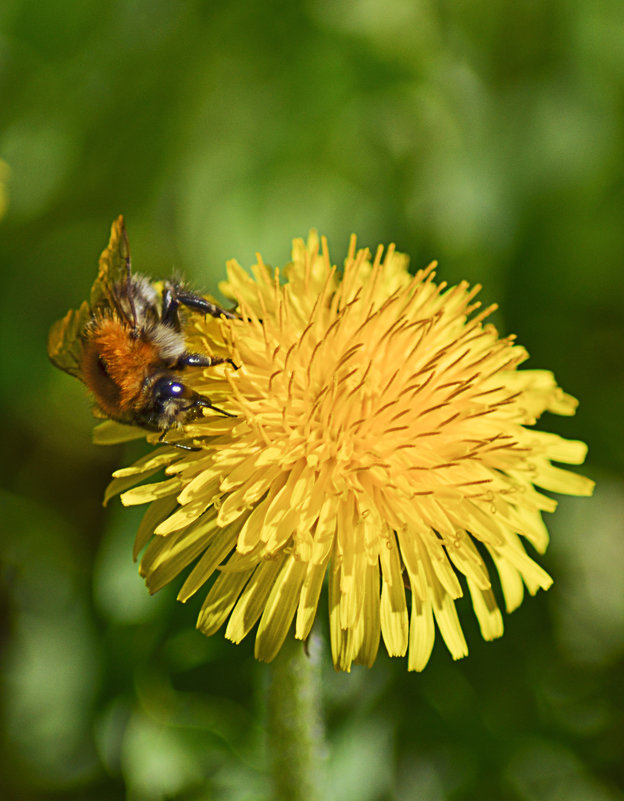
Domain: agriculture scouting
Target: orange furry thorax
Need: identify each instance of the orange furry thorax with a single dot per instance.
(115, 365)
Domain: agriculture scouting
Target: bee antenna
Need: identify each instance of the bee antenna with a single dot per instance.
(223, 412)
(209, 405)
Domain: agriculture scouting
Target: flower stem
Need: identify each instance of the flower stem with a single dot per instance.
(294, 725)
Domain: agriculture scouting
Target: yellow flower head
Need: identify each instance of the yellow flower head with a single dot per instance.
(381, 437)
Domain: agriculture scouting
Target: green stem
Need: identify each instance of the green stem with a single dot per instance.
(294, 722)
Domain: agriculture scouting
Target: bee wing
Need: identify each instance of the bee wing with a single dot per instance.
(114, 267)
(64, 344)
(64, 340)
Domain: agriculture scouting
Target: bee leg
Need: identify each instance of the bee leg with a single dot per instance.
(198, 360)
(173, 296)
(169, 311)
(197, 303)
(180, 445)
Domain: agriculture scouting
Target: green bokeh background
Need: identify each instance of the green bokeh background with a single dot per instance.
(485, 134)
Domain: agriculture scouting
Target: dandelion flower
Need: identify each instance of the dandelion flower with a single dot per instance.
(382, 439)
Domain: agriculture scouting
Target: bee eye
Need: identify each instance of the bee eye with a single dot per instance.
(175, 388)
(167, 388)
(102, 365)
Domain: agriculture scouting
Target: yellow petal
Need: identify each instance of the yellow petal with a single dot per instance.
(252, 600)
(167, 556)
(557, 480)
(183, 517)
(450, 628)
(123, 483)
(341, 642)
(280, 609)
(393, 609)
(216, 551)
(487, 612)
(308, 601)
(369, 623)
(113, 433)
(219, 602)
(150, 492)
(155, 514)
(468, 560)
(511, 582)
(421, 635)
(149, 463)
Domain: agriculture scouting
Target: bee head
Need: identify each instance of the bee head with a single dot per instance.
(169, 401)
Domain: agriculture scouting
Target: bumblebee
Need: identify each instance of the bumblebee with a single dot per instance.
(128, 346)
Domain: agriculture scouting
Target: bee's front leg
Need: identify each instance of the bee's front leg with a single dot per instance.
(179, 445)
(199, 360)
